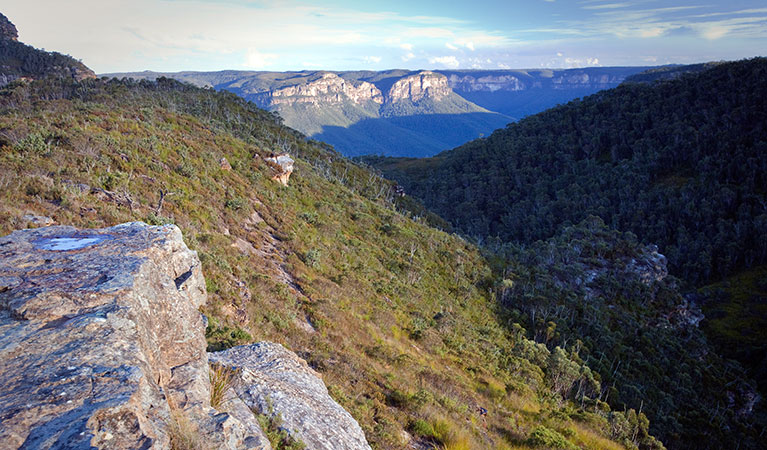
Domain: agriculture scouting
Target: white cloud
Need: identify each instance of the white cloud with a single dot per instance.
(408, 56)
(372, 59)
(254, 59)
(447, 61)
(406, 46)
(450, 46)
(503, 66)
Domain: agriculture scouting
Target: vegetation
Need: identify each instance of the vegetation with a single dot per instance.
(680, 163)
(279, 438)
(21, 60)
(397, 316)
(222, 379)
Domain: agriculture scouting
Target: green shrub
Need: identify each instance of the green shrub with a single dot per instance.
(546, 437)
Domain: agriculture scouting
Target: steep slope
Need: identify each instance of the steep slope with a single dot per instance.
(20, 61)
(396, 316)
(680, 163)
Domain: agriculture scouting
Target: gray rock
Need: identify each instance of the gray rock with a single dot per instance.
(101, 340)
(273, 380)
(36, 221)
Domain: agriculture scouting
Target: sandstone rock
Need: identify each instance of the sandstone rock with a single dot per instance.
(285, 164)
(328, 89)
(416, 87)
(101, 340)
(225, 164)
(244, 246)
(34, 220)
(273, 380)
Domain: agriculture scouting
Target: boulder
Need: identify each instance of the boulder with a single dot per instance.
(275, 381)
(33, 220)
(283, 163)
(102, 344)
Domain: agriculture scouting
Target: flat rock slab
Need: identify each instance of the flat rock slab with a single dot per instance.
(273, 380)
(91, 324)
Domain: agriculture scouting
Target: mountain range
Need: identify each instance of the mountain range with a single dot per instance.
(402, 112)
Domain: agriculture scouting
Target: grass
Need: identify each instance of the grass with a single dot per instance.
(222, 379)
(279, 438)
(183, 433)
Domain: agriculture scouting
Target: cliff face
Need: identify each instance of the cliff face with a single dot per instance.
(419, 86)
(329, 89)
(522, 80)
(332, 90)
(102, 345)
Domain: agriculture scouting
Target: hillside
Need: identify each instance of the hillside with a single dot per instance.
(395, 315)
(679, 163)
(20, 61)
(402, 112)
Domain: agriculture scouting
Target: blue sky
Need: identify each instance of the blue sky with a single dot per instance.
(174, 35)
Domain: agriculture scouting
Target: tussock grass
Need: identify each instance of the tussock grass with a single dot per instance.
(222, 379)
(184, 434)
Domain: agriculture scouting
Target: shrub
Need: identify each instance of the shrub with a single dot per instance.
(545, 437)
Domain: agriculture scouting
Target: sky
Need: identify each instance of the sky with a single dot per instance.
(209, 35)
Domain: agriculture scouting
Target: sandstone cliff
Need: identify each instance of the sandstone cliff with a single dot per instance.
(102, 346)
(329, 89)
(416, 87)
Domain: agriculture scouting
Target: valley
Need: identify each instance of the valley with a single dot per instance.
(522, 259)
(400, 112)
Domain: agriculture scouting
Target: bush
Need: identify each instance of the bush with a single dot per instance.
(545, 437)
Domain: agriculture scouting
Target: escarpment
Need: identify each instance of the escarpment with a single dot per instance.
(102, 345)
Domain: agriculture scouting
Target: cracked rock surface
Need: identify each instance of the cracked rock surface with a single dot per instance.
(273, 380)
(101, 341)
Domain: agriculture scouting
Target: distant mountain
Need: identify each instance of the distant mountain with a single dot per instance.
(21, 61)
(519, 93)
(402, 112)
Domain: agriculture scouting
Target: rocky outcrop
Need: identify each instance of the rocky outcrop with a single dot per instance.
(329, 89)
(7, 29)
(464, 82)
(283, 165)
(488, 83)
(416, 87)
(101, 341)
(274, 381)
(102, 346)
